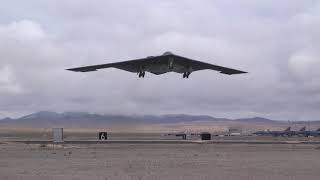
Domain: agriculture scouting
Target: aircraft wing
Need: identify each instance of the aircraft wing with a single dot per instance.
(138, 65)
(131, 65)
(198, 65)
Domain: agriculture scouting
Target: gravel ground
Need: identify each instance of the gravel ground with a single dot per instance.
(160, 161)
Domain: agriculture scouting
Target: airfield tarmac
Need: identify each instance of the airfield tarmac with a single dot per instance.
(160, 161)
(138, 158)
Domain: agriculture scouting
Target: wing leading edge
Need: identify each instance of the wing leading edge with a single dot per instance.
(198, 65)
(131, 66)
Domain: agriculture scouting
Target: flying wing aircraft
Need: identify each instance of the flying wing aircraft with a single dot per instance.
(167, 62)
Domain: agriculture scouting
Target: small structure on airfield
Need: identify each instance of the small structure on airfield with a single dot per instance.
(57, 134)
(205, 136)
(103, 136)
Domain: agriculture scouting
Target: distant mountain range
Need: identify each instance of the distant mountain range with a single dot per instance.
(81, 116)
(87, 120)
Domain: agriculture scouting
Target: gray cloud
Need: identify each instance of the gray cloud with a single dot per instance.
(277, 42)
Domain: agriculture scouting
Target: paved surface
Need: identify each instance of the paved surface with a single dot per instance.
(155, 141)
(160, 161)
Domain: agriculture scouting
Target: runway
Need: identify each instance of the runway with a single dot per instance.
(153, 156)
(158, 161)
(165, 142)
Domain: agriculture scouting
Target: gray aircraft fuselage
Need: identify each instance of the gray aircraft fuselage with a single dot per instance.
(168, 66)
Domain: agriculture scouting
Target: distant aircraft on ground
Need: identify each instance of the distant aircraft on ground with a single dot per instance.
(301, 132)
(286, 132)
(167, 62)
(315, 133)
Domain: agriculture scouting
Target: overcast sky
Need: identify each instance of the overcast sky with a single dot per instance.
(277, 42)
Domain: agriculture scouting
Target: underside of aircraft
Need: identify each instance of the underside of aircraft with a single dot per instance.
(167, 62)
